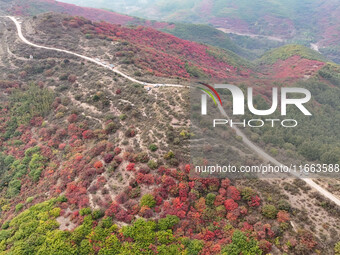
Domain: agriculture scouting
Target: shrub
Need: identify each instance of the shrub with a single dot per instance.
(230, 205)
(18, 207)
(168, 222)
(88, 134)
(241, 244)
(283, 205)
(98, 164)
(194, 246)
(254, 201)
(85, 211)
(63, 77)
(247, 193)
(96, 98)
(148, 200)
(210, 199)
(130, 167)
(5, 225)
(72, 118)
(29, 200)
(283, 216)
(143, 157)
(152, 164)
(232, 192)
(108, 158)
(153, 147)
(96, 214)
(169, 155)
(36, 166)
(269, 211)
(337, 248)
(55, 212)
(110, 128)
(9, 160)
(72, 78)
(14, 188)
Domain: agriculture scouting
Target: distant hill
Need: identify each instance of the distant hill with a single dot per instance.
(209, 35)
(302, 22)
(34, 7)
(288, 51)
(199, 33)
(155, 52)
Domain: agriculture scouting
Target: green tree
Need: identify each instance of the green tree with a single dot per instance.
(331, 156)
(241, 244)
(210, 199)
(269, 211)
(153, 147)
(31, 102)
(168, 222)
(310, 150)
(337, 248)
(148, 200)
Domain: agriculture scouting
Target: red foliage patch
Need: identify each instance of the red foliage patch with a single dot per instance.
(98, 164)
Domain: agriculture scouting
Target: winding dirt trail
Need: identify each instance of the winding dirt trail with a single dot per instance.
(21, 36)
(230, 31)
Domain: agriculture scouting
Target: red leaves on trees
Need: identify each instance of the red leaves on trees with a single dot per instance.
(62, 146)
(78, 157)
(247, 227)
(283, 216)
(183, 189)
(151, 51)
(225, 183)
(176, 202)
(131, 167)
(97, 150)
(108, 158)
(209, 236)
(230, 205)
(232, 192)
(98, 164)
(187, 168)
(117, 150)
(72, 118)
(112, 210)
(222, 192)
(218, 200)
(168, 181)
(200, 205)
(122, 198)
(76, 194)
(265, 246)
(307, 239)
(73, 129)
(145, 179)
(88, 134)
(255, 201)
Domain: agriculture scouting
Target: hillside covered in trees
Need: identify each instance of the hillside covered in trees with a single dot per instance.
(94, 163)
